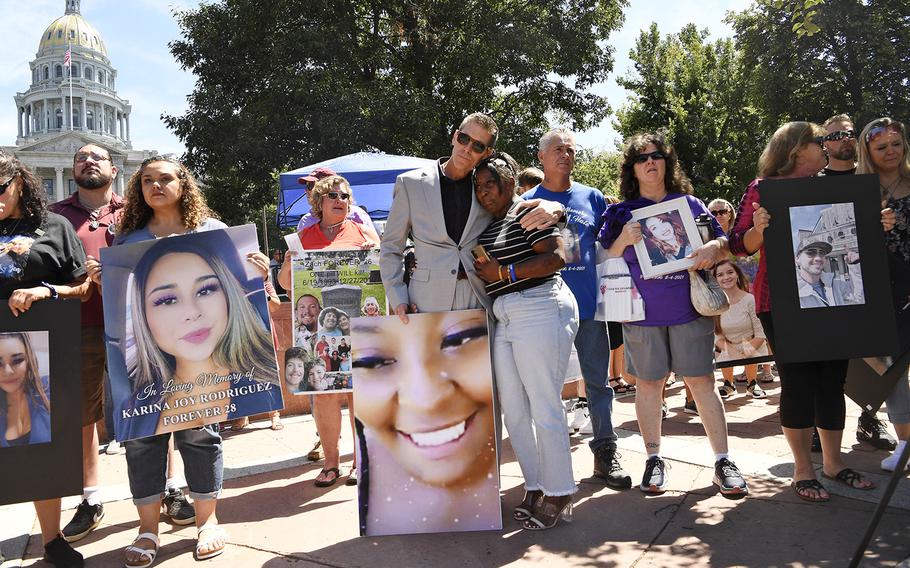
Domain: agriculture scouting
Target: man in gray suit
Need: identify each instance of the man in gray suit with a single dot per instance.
(437, 208)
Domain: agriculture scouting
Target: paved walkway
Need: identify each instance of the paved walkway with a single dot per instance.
(275, 517)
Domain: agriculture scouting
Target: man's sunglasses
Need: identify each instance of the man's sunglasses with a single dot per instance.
(338, 195)
(5, 185)
(476, 145)
(657, 155)
(820, 140)
(840, 135)
(84, 156)
(814, 252)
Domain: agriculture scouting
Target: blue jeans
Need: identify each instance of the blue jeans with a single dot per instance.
(531, 346)
(593, 346)
(203, 464)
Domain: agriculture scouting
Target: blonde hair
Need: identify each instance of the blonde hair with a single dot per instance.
(779, 156)
(322, 187)
(245, 344)
(864, 163)
(137, 213)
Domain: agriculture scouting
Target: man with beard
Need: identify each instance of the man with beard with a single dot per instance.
(840, 145)
(93, 210)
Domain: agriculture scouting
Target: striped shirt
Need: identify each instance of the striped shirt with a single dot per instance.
(508, 243)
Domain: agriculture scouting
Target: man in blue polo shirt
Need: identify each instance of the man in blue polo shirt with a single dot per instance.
(584, 211)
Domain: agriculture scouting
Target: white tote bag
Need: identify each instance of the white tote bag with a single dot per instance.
(617, 297)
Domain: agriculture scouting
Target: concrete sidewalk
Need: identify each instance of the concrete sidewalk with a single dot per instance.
(275, 517)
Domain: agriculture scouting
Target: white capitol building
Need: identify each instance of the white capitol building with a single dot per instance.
(47, 134)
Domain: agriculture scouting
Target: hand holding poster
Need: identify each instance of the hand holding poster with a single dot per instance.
(188, 336)
(329, 288)
(424, 410)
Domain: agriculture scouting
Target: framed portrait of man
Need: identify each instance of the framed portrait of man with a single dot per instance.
(827, 269)
(669, 235)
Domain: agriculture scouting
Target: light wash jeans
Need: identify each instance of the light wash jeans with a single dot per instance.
(531, 346)
(203, 464)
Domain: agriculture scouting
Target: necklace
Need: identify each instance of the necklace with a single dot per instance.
(334, 227)
(888, 192)
(9, 232)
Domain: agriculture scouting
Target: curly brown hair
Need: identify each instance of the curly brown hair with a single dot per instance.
(322, 187)
(32, 197)
(137, 213)
(675, 180)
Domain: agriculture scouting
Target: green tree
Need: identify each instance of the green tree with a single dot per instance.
(282, 83)
(856, 62)
(600, 170)
(697, 92)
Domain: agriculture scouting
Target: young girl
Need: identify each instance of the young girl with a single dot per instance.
(738, 333)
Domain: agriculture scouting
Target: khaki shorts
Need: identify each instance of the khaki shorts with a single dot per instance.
(687, 349)
(93, 368)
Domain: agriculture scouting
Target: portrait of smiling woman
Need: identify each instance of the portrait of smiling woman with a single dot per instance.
(425, 424)
(195, 324)
(25, 409)
(665, 238)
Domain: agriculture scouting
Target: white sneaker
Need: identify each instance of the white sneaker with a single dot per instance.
(587, 428)
(113, 448)
(580, 416)
(890, 462)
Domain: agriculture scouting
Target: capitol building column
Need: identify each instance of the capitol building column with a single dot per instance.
(58, 187)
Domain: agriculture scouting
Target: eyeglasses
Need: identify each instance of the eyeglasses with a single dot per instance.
(841, 135)
(5, 185)
(719, 212)
(477, 146)
(338, 195)
(84, 156)
(657, 155)
(814, 252)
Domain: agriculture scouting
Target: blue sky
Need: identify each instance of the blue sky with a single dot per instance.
(137, 33)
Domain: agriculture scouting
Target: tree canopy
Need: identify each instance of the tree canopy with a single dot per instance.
(282, 83)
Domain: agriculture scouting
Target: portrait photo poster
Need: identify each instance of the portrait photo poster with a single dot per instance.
(38, 378)
(329, 289)
(828, 269)
(189, 339)
(423, 407)
(669, 235)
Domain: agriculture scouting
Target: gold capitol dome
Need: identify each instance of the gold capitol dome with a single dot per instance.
(71, 29)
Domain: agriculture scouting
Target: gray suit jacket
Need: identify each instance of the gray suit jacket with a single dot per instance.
(417, 209)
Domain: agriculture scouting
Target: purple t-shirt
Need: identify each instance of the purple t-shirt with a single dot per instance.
(666, 297)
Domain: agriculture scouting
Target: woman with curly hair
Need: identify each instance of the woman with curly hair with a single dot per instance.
(163, 199)
(673, 336)
(49, 263)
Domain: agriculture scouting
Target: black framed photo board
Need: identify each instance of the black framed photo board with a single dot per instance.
(828, 269)
(37, 351)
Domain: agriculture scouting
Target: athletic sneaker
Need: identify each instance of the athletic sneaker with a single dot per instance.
(727, 389)
(113, 448)
(870, 429)
(664, 411)
(690, 407)
(85, 520)
(816, 445)
(890, 462)
(580, 416)
(587, 428)
(607, 467)
(755, 390)
(177, 508)
(655, 478)
(728, 478)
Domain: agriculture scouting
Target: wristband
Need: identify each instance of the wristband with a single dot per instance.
(512, 274)
(53, 290)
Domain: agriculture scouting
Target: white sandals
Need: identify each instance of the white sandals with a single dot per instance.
(147, 555)
(215, 532)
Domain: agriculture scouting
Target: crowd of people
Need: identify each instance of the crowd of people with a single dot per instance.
(473, 231)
